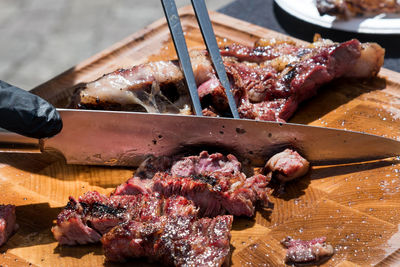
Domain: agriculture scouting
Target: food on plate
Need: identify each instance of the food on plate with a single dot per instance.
(86, 220)
(287, 165)
(8, 224)
(268, 80)
(307, 252)
(173, 240)
(351, 8)
(213, 182)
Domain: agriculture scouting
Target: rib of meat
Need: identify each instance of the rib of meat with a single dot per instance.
(173, 240)
(268, 80)
(313, 251)
(287, 165)
(214, 193)
(7, 222)
(86, 220)
(350, 8)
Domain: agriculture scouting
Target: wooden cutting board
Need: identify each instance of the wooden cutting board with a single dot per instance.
(356, 206)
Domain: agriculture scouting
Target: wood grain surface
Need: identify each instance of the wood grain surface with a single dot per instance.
(356, 206)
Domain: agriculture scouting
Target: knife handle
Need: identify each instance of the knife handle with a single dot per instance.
(11, 142)
(26, 113)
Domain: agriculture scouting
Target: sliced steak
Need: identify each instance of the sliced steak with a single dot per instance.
(86, 220)
(273, 89)
(268, 80)
(205, 163)
(272, 78)
(7, 222)
(215, 193)
(192, 165)
(172, 240)
(314, 251)
(213, 182)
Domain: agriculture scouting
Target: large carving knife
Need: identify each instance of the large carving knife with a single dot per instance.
(126, 138)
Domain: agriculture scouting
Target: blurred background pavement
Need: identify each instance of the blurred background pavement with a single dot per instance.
(42, 38)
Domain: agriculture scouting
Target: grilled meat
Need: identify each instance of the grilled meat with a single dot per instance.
(155, 216)
(174, 240)
(192, 165)
(286, 76)
(268, 80)
(86, 220)
(287, 165)
(308, 252)
(351, 8)
(214, 193)
(165, 229)
(155, 87)
(205, 163)
(7, 222)
(213, 182)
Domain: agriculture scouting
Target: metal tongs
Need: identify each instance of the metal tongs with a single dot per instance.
(175, 27)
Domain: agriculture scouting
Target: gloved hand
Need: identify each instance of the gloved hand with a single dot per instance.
(26, 113)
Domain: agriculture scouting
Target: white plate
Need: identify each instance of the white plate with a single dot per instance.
(306, 10)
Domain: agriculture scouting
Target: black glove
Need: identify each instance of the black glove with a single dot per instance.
(26, 113)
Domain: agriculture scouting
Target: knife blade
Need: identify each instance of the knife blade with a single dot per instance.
(126, 139)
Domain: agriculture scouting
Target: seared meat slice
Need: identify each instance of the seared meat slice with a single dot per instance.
(287, 165)
(215, 193)
(212, 96)
(193, 165)
(205, 163)
(7, 222)
(272, 89)
(314, 251)
(264, 50)
(86, 220)
(155, 87)
(174, 240)
(350, 8)
(213, 182)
